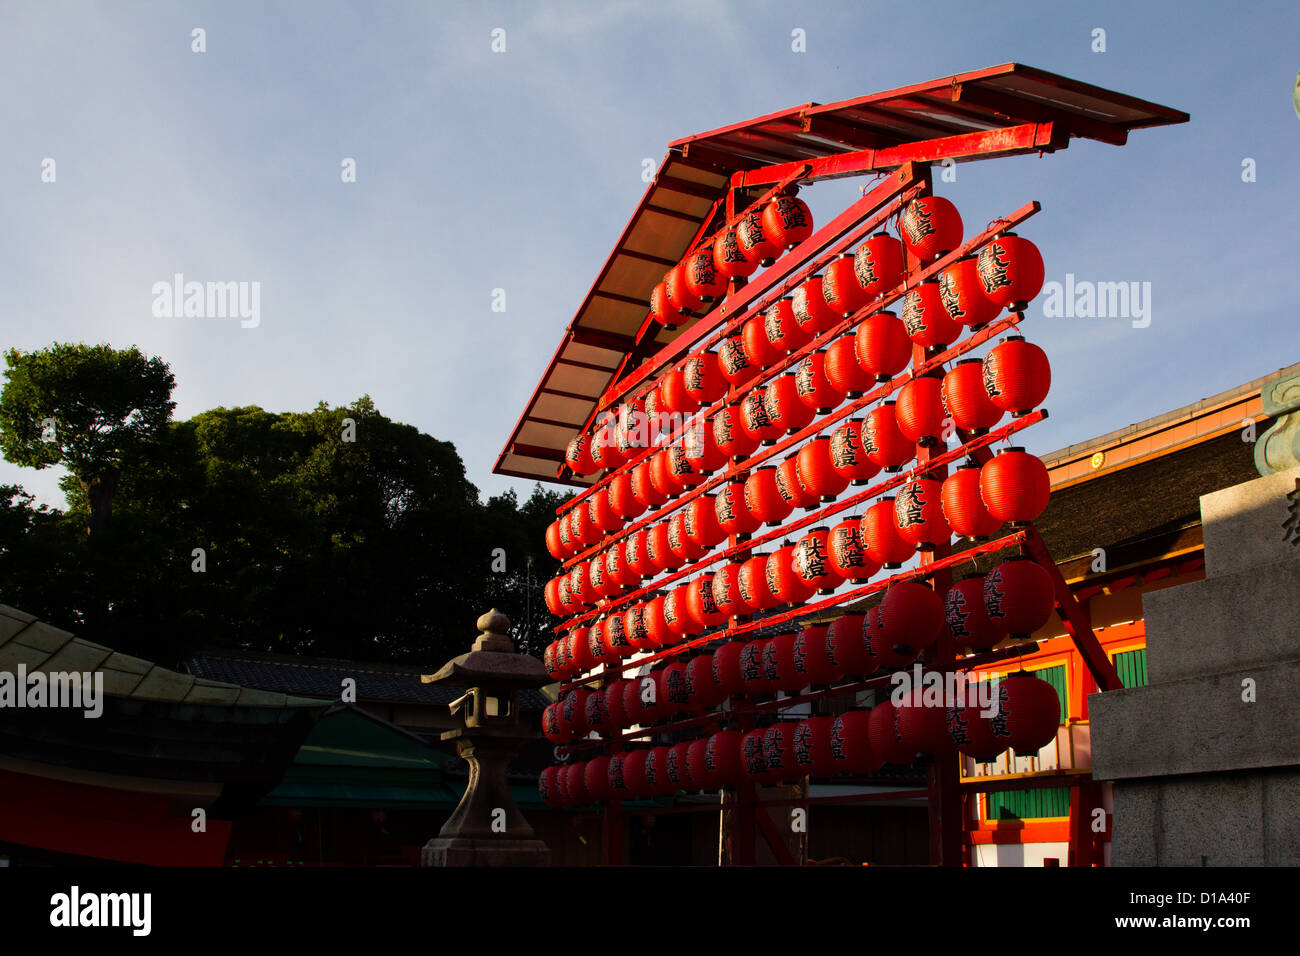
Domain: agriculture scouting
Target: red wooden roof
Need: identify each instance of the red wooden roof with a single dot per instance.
(688, 190)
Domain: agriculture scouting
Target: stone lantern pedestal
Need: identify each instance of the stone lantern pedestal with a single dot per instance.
(487, 828)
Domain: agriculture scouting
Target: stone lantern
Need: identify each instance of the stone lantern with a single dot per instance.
(487, 828)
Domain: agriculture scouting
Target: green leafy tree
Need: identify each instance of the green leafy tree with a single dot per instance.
(85, 407)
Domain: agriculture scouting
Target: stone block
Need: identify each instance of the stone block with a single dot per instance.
(162, 684)
(1243, 524)
(1135, 823)
(42, 637)
(1224, 623)
(77, 655)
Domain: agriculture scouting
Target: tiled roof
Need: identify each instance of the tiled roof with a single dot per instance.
(323, 678)
(39, 646)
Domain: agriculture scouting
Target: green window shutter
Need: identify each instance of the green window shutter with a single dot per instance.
(1132, 667)
(1029, 804)
(1056, 676)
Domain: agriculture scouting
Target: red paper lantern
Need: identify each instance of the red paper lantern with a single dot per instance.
(722, 764)
(618, 787)
(754, 241)
(815, 389)
(656, 623)
(918, 510)
(778, 752)
(597, 649)
(881, 346)
(848, 456)
(634, 626)
(630, 429)
(764, 499)
(601, 512)
(911, 615)
(672, 387)
(919, 410)
(1011, 271)
(783, 329)
(882, 728)
(678, 290)
(700, 603)
(1017, 375)
(812, 561)
(703, 379)
(582, 527)
(810, 309)
(1019, 597)
(580, 584)
(847, 554)
(726, 669)
(643, 487)
(882, 654)
(842, 368)
(753, 673)
(680, 543)
(784, 407)
(701, 448)
(963, 294)
(548, 660)
(554, 546)
(662, 309)
(701, 523)
(754, 588)
(922, 727)
(729, 258)
(931, 227)
(705, 693)
(635, 778)
(880, 535)
(577, 455)
(789, 486)
(595, 776)
(677, 613)
(622, 501)
(787, 221)
(730, 435)
(840, 286)
(614, 694)
(754, 419)
(815, 471)
(731, 512)
(641, 700)
(968, 621)
(753, 758)
(926, 320)
(884, 442)
(553, 727)
(615, 637)
(549, 788)
(814, 656)
(636, 555)
(726, 591)
(879, 265)
(972, 733)
(782, 579)
(736, 367)
(675, 769)
(847, 648)
(583, 655)
(702, 276)
(779, 663)
(966, 400)
(813, 753)
(674, 690)
(963, 508)
(758, 350)
(573, 709)
(552, 595)
(1015, 486)
(604, 446)
(851, 749)
(680, 470)
(661, 474)
(1029, 713)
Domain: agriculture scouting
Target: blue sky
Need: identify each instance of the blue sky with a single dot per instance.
(518, 170)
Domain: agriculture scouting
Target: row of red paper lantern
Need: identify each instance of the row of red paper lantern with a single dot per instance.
(760, 236)
(934, 314)
(974, 501)
(858, 742)
(1015, 599)
(1015, 376)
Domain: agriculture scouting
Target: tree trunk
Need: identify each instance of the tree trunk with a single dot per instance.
(99, 497)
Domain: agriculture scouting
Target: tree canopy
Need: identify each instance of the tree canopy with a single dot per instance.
(333, 532)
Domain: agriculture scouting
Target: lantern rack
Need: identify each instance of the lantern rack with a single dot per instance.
(1004, 110)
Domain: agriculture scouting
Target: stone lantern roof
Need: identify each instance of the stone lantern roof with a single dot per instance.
(492, 661)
